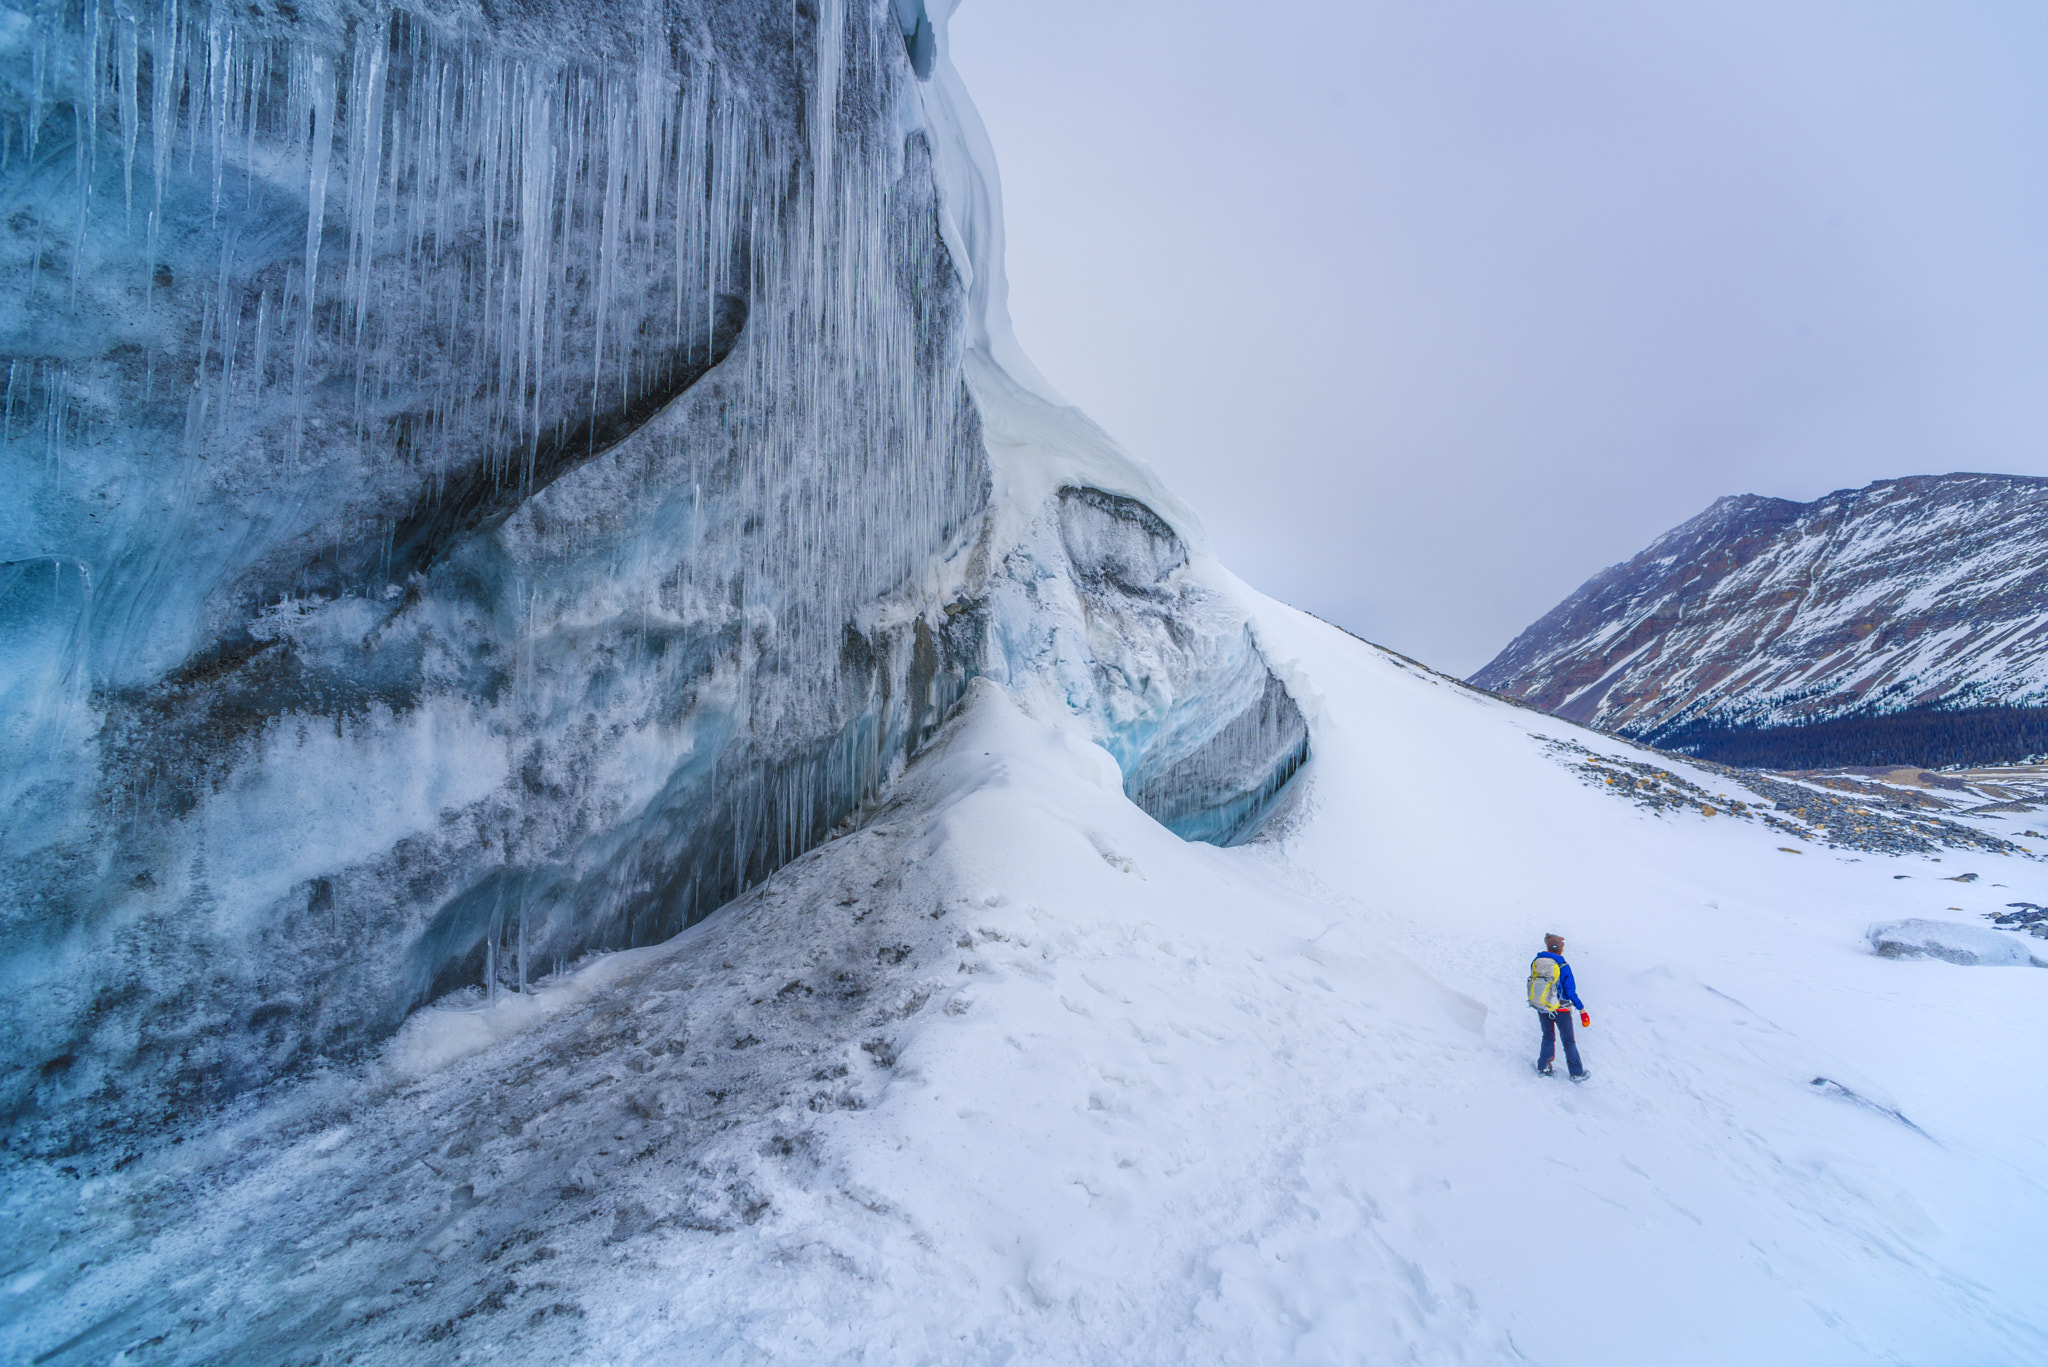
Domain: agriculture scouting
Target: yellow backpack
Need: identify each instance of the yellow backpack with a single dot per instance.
(1543, 984)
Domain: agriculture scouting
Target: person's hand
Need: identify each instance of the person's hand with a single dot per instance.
(1586, 1019)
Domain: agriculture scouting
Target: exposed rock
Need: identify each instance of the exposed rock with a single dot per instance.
(1949, 941)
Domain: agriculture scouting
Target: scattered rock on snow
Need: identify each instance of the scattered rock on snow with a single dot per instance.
(2021, 916)
(1878, 826)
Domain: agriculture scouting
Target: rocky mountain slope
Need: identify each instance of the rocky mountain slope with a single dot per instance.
(1902, 623)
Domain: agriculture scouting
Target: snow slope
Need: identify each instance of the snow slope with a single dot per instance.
(1011, 1073)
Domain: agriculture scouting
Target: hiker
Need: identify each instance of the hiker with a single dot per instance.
(1553, 995)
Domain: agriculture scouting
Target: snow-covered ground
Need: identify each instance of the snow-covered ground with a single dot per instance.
(1011, 1073)
(1007, 1072)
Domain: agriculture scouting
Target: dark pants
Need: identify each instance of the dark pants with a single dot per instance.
(1557, 1023)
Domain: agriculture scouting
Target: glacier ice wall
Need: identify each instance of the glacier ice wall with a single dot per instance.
(477, 487)
(1098, 605)
(492, 484)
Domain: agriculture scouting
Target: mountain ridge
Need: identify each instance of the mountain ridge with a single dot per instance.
(1926, 594)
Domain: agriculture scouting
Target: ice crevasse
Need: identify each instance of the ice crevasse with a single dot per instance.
(490, 484)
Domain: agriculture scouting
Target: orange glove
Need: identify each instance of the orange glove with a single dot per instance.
(1586, 1019)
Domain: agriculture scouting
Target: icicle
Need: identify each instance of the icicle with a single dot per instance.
(85, 111)
(163, 98)
(128, 61)
(318, 81)
(494, 930)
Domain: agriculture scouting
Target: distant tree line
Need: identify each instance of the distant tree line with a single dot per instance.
(1932, 738)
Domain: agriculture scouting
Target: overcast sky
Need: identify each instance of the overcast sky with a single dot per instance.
(1434, 308)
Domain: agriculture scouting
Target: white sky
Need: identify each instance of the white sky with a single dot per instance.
(1433, 308)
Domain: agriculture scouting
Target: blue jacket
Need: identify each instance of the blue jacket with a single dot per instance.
(1566, 988)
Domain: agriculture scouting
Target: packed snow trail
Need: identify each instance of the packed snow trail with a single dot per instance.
(1012, 1073)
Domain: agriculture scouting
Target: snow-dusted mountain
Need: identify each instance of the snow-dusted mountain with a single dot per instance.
(619, 781)
(1924, 597)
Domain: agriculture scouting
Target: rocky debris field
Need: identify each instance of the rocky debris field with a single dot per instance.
(2007, 789)
(1877, 823)
(2029, 917)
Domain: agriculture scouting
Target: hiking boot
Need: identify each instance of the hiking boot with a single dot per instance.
(1580, 1077)
(1544, 1070)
